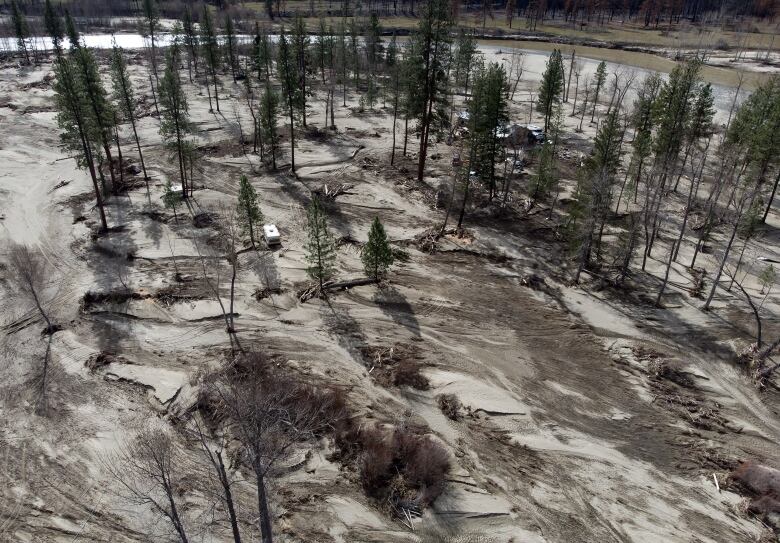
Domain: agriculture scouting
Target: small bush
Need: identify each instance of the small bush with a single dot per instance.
(399, 467)
(450, 405)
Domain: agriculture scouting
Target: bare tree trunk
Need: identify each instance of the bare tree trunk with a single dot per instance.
(728, 248)
(266, 530)
(695, 180)
(754, 309)
(154, 97)
(771, 198)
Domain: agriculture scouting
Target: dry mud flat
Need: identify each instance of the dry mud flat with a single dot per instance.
(586, 417)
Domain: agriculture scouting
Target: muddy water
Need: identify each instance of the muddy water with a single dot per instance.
(728, 77)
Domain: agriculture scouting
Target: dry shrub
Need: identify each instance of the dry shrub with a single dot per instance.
(401, 468)
(758, 479)
(324, 406)
(322, 410)
(762, 484)
(450, 405)
(667, 369)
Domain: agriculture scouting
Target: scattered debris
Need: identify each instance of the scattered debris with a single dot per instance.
(102, 359)
(397, 365)
(59, 185)
(118, 297)
(265, 292)
(204, 219)
(331, 192)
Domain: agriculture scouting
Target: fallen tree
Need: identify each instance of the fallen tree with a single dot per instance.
(315, 290)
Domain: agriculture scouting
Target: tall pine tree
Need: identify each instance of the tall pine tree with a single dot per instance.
(320, 249)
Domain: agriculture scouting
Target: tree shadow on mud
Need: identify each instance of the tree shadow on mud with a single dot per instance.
(395, 305)
(111, 260)
(346, 329)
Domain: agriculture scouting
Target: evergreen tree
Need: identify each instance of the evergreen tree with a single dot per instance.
(320, 249)
(377, 256)
(354, 51)
(373, 42)
(230, 46)
(429, 56)
(269, 113)
(699, 124)
(551, 88)
(342, 58)
(124, 96)
(208, 39)
(288, 76)
(545, 174)
(299, 42)
(100, 111)
(171, 198)
(465, 51)
(21, 29)
(598, 83)
(594, 193)
(53, 25)
(191, 41)
(261, 53)
(489, 116)
(755, 130)
(642, 122)
(175, 124)
(671, 111)
(396, 69)
(151, 25)
(752, 139)
(74, 39)
(248, 213)
(322, 47)
(76, 134)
